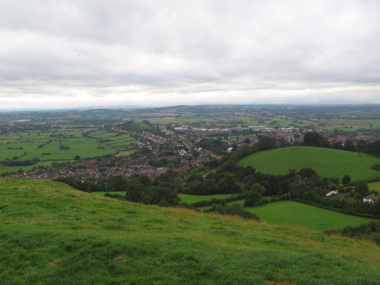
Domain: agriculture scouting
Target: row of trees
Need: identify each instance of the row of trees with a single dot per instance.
(368, 231)
(317, 140)
(9, 162)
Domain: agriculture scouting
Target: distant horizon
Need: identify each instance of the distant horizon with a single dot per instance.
(180, 105)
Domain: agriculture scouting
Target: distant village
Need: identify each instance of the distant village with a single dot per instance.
(176, 148)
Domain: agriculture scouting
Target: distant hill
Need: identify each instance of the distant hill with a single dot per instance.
(327, 162)
(53, 234)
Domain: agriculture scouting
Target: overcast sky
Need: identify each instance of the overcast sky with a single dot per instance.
(60, 53)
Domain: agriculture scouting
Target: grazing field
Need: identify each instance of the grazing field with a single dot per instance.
(79, 146)
(294, 213)
(8, 151)
(61, 145)
(374, 186)
(327, 162)
(119, 142)
(53, 234)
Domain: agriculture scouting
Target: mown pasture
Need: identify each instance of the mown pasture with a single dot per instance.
(326, 162)
(53, 234)
(295, 213)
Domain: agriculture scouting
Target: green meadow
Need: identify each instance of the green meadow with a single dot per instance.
(53, 234)
(298, 214)
(326, 162)
(374, 186)
(119, 142)
(46, 147)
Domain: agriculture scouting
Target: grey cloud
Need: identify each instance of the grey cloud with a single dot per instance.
(274, 47)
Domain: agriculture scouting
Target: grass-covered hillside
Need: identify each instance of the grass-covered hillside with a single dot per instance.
(327, 162)
(53, 234)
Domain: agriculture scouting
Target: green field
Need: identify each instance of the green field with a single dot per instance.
(119, 142)
(327, 162)
(294, 213)
(46, 146)
(374, 186)
(53, 234)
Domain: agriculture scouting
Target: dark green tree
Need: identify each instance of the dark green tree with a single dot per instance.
(346, 179)
(307, 172)
(361, 146)
(349, 145)
(315, 139)
(254, 195)
(135, 192)
(164, 195)
(362, 189)
(266, 143)
(374, 148)
(228, 185)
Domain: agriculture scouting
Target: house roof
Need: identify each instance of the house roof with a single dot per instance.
(371, 197)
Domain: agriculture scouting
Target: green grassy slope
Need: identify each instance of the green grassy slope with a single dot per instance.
(53, 234)
(327, 162)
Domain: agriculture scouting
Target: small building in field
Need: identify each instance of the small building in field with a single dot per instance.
(371, 199)
(331, 193)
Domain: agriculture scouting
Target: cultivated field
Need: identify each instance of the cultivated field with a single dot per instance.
(327, 162)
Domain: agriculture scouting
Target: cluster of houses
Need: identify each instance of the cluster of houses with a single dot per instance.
(368, 199)
(184, 140)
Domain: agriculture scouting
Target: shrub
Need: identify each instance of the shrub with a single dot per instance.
(234, 210)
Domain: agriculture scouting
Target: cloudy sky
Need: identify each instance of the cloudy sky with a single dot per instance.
(62, 53)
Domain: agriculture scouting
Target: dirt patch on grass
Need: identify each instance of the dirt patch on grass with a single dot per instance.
(122, 257)
(54, 262)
